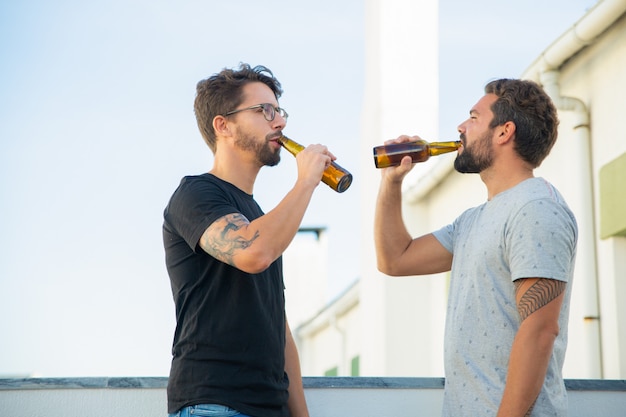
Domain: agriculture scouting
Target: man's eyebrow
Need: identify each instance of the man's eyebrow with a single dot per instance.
(473, 112)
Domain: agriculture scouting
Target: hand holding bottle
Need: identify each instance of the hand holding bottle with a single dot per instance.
(393, 152)
(334, 176)
(312, 161)
(396, 171)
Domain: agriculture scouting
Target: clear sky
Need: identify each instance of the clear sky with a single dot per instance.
(97, 128)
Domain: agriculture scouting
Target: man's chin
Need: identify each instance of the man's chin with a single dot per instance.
(464, 169)
(272, 162)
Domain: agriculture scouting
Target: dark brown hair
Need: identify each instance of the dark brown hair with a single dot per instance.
(527, 105)
(223, 92)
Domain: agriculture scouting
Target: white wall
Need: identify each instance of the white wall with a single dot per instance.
(332, 338)
(402, 319)
(595, 77)
(305, 270)
(401, 95)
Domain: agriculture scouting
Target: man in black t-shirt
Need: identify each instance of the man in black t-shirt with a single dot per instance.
(233, 351)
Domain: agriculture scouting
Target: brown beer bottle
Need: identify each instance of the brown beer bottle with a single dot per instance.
(334, 176)
(419, 151)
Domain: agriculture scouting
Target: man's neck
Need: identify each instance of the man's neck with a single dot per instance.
(242, 174)
(501, 179)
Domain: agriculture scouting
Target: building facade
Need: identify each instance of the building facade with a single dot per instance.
(385, 326)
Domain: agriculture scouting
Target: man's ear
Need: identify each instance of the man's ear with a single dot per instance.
(220, 126)
(505, 132)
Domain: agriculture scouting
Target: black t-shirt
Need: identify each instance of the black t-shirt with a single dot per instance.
(229, 343)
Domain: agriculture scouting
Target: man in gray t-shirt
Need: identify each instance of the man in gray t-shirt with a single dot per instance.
(511, 260)
(525, 231)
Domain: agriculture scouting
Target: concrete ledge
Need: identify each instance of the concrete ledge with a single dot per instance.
(373, 382)
(595, 384)
(309, 382)
(78, 383)
(326, 396)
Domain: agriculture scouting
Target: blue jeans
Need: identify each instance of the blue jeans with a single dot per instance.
(208, 410)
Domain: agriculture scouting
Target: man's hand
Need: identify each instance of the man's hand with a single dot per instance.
(396, 174)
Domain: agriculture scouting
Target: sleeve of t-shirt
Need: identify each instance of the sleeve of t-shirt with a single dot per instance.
(445, 237)
(447, 234)
(541, 241)
(195, 205)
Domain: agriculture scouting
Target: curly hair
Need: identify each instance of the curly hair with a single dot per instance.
(527, 105)
(223, 92)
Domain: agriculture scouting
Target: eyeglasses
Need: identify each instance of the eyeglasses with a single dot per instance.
(269, 111)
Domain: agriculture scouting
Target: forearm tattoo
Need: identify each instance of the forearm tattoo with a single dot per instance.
(538, 295)
(224, 241)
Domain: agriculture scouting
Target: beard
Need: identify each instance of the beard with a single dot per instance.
(477, 157)
(264, 152)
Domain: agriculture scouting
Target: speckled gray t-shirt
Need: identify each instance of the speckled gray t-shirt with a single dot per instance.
(524, 232)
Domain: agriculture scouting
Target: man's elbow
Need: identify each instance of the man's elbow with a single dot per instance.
(551, 332)
(386, 268)
(256, 263)
(546, 336)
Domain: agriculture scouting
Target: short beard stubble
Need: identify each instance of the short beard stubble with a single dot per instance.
(265, 154)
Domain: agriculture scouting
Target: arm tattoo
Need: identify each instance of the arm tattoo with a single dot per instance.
(225, 244)
(538, 295)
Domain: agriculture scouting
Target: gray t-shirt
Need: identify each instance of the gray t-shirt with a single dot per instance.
(524, 232)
